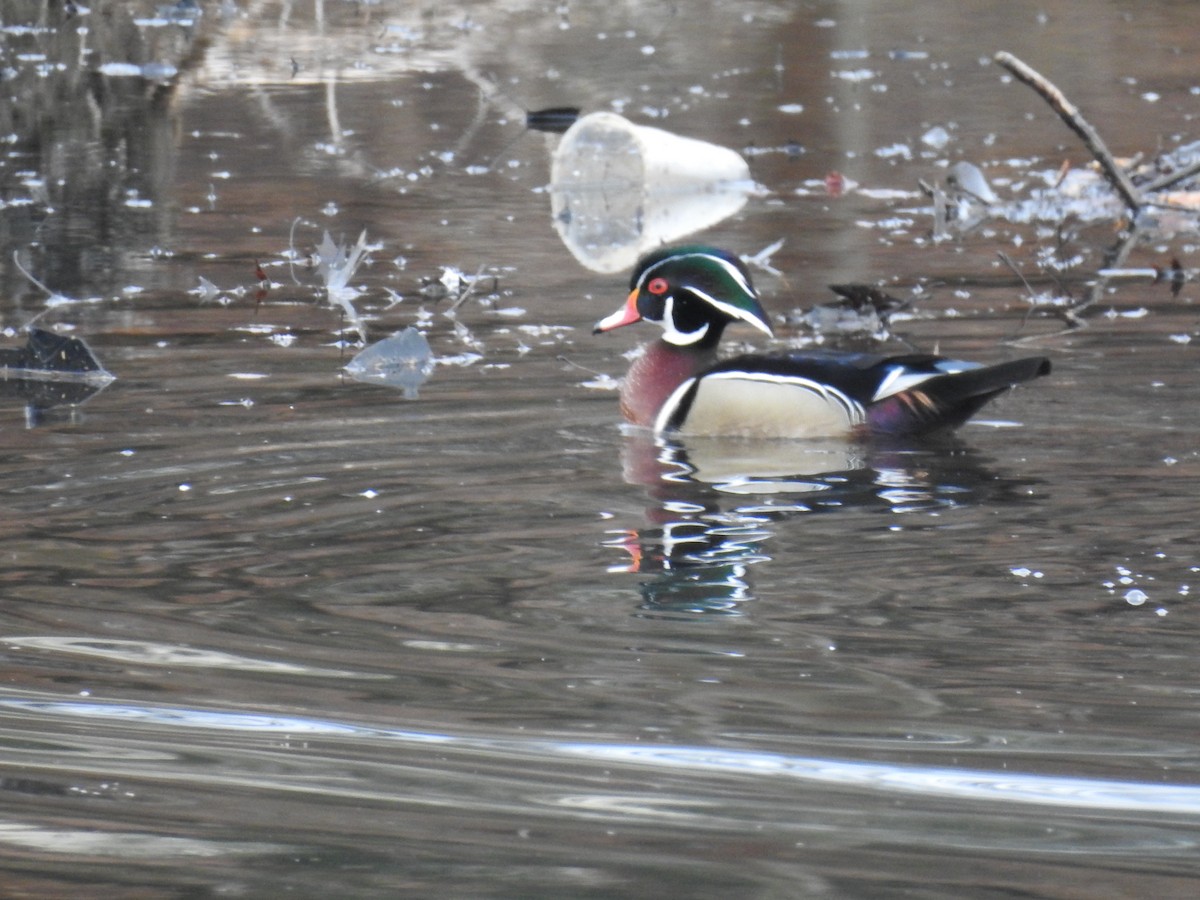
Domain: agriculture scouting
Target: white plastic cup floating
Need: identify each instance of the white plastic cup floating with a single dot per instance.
(618, 190)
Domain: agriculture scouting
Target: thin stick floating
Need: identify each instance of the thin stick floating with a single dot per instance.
(1172, 178)
(1069, 113)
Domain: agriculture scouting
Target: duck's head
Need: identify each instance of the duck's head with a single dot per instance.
(692, 293)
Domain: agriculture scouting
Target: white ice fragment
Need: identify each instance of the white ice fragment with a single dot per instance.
(601, 382)
(337, 265)
(1135, 597)
(936, 137)
(158, 71)
(403, 360)
(120, 70)
(855, 75)
(440, 645)
(901, 150)
(461, 359)
(762, 259)
(880, 193)
(969, 178)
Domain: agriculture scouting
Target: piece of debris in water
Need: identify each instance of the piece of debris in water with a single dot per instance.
(403, 361)
(51, 370)
(47, 356)
(338, 263)
(554, 119)
(861, 310)
(966, 178)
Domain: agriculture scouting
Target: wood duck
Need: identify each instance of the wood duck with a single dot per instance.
(678, 385)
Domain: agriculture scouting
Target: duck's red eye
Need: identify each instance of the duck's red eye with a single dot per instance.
(657, 286)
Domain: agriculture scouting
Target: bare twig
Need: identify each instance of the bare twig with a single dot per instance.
(1068, 112)
(1114, 258)
(1007, 260)
(1066, 313)
(466, 292)
(1172, 178)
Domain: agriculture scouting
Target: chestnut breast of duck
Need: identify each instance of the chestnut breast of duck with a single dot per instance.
(655, 375)
(677, 385)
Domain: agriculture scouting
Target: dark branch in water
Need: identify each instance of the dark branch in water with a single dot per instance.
(1066, 313)
(1172, 178)
(1115, 258)
(1068, 112)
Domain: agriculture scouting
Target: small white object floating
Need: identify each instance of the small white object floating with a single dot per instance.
(618, 190)
(403, 360)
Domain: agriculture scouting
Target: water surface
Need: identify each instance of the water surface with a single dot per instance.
(269, 631)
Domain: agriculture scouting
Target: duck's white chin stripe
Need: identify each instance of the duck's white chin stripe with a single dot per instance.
(672, 335)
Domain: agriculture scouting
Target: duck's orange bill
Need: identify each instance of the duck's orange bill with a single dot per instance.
(626, 315)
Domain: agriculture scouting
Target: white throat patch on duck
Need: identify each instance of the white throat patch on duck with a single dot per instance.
(672, 334)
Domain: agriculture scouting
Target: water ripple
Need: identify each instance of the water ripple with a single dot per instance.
(123, 844)
(148, 653)
(941, 782)
(962, 784)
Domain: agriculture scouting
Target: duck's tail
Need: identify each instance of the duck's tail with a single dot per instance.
(944, 402)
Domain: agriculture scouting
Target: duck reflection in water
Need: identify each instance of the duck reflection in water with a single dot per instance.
(715, 504)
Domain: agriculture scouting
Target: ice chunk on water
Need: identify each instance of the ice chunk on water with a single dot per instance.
(403, 360)
(936, 137)
(1136, 597)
